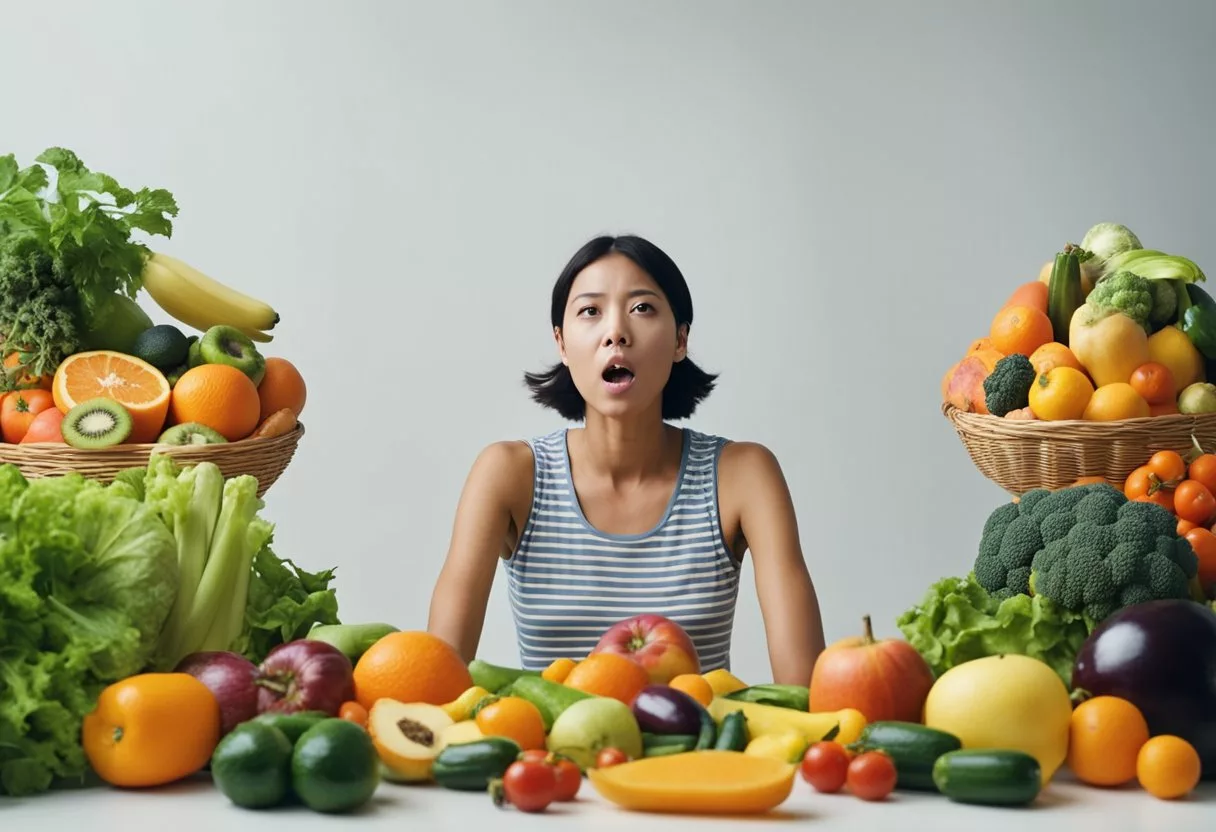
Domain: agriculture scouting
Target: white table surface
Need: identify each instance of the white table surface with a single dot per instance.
(196, 805)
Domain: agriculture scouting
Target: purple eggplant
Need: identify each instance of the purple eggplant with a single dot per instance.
(663, 710)
(1161, 657)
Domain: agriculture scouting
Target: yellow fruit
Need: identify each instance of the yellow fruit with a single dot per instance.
(722, 682)
(774, 719)
(461, 708)
(1109, 346)
(1006, 701)
(1060, 393)
(1173, 348)
(1117, 400)
(408, 737)
(464, 731)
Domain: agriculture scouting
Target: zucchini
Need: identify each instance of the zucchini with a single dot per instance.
(914, 748)
(1064, 292)
(657, 745)
(470, 766)
(796, 697)
(988, 776)
(709, 730)
(733, 736)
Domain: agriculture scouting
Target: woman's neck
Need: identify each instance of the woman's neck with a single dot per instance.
(628, 451)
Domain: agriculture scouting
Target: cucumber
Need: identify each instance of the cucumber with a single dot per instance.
(470, 766)
(495, 678)
(733, 736)
(1064, 292)
(795, 697)
(987, 776)
(709, 730)
(914, 748)
(657, 745)
(550, 698)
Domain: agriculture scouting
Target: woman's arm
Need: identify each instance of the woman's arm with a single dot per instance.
(483, 519)
(788, 603)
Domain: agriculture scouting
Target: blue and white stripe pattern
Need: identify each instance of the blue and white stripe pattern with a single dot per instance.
(570, 582)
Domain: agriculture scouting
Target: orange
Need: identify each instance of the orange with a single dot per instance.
(979, 345)
(1020, 329)
(694, 685)
(1032, 294)
(558, 670)
(609, 674)
(1051, 355)
(411, 666)
(1155, 382)
(516, 719)
(1062, 393)
(281, 387)
(132, 382)
(218, 396)
(1114, 401)
(1168, 767)
(1104, 739)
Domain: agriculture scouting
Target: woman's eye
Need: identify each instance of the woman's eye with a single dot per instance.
(643, 307)
(586, 309)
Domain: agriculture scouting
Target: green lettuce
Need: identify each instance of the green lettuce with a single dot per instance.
(88, 576)
(957, 621)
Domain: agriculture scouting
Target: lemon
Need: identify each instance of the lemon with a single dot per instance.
(1005, 701)
(1173, 348)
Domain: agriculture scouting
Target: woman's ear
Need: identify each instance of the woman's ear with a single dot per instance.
(561, 345)
(681, 342)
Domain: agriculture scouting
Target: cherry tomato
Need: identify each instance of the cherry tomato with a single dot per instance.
(610, 757)
(354, 712)
(825, 766)
(1193, 501)
(1168, 466)
(871, 775)
(569, 778)
(1203, 469)
(529, 785)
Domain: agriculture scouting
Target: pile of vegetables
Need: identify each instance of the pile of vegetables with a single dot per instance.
(1049, 569)
(101, 582)
(69, 266)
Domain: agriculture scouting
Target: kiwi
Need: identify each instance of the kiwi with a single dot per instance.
(228, 345)
(191, 433)
(96, 423)
(193, 359)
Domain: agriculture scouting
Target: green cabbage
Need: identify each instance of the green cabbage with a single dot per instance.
(88, 576)
(957, 621)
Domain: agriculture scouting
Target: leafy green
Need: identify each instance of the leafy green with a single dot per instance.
(38, 303)
(957, 621)
(284, 603)
(87, 578)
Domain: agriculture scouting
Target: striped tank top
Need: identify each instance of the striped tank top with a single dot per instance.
(569, 582)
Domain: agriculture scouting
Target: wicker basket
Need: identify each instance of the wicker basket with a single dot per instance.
(1021, 455)
(265, 459)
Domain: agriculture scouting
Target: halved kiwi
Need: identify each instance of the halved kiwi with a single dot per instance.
(228, 345)
(191, 433)
(96, 423)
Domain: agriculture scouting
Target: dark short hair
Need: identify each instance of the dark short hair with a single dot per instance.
(688, 384)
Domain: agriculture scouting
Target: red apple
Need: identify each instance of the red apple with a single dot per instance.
(658, 644)
(305, 675)
(233, 680)
(885, 679)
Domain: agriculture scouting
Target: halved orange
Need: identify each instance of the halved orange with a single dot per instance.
(132, 382)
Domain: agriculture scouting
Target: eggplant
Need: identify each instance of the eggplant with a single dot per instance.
(660, 709)
(1161, 657)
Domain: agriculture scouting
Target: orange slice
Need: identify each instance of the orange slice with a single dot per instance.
(132, 382)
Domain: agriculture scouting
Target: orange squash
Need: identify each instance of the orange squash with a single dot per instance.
(697, 782)
(151, 729)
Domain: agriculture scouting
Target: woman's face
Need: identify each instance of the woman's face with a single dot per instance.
(619, 336)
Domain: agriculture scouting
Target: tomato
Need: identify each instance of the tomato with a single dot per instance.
(1168, 466)
(530, 785)
(353, 712)
(825, 766)
(1138, 482)
(1203, 470)
(1193, 501)
(46, 427)
(871, 775)
(1203, 542)
(569, 778)
(1185, 526)
(18, 411)
(610, 757)
(1163, 497)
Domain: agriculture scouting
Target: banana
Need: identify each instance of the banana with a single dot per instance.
(212, 300)
(178, 298)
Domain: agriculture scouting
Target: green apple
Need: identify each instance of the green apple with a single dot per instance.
(588, 726)
(1199, 397)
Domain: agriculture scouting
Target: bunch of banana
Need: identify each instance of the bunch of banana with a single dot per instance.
(202, 302)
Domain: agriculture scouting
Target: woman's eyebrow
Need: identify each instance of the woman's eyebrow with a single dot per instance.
(633, 294)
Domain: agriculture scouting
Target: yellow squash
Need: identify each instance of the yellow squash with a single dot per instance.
(771, 719)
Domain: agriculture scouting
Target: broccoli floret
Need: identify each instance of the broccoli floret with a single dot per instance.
(1165, 303)
(1087, 548)
(1007, 387)
(1123, 292)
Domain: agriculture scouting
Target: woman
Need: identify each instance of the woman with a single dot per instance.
(626, 514)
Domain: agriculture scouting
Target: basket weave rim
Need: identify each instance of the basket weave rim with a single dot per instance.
(1079, 428)
(129, 448)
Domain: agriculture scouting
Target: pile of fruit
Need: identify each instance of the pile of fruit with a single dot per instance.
(1109, 331)
(326, 719)
(83, 364)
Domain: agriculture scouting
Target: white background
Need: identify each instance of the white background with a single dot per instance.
(851, 189)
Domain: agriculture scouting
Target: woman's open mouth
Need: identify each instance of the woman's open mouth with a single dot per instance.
(617, 379)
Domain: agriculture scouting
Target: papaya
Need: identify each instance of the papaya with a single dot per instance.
(697, 782)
